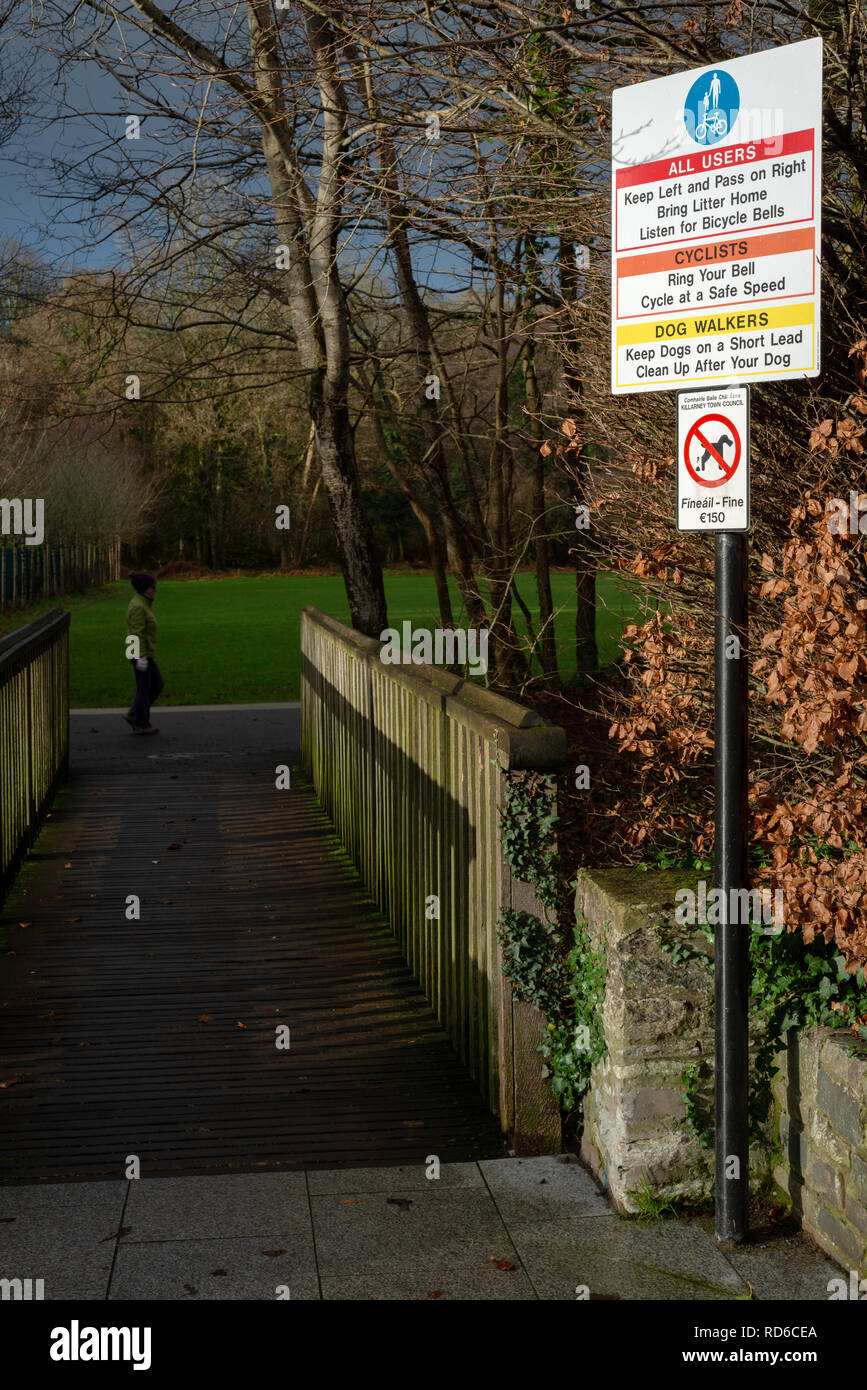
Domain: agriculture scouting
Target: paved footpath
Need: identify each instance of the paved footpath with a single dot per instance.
(496, 1229)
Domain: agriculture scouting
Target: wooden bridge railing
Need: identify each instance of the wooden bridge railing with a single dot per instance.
(34, 731)
(410, 764)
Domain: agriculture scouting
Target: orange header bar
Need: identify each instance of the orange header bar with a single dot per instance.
(717, 253)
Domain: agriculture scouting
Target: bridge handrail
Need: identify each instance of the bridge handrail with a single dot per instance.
(410, 763)
(34, 731)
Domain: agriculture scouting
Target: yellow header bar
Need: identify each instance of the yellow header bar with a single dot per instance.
(715, 322)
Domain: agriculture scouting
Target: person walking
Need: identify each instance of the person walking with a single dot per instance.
(141, 623)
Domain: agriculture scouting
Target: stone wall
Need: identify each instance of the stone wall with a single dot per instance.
(821, 1094)
(658, 1021)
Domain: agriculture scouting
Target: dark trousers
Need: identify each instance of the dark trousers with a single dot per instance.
(148, 685)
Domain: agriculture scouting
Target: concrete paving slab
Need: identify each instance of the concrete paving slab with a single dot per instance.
(76, 1210)
(63, 1234)
(225, 1206)
(538, 1189)
(373, 1246)
(621, 1259)
(67, 1272)
(460, 1282)
(392, 1181)
(785, 1269)
(196, 1271)
(514, 1229)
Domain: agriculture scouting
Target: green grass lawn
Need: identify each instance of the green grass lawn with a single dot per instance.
(237, 639)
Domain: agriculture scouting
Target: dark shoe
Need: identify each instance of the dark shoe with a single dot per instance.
(150, 730)
(130, 721)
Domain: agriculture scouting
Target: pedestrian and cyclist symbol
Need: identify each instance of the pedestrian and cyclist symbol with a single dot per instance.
(716, 124)
(712, 450)
(711, 107)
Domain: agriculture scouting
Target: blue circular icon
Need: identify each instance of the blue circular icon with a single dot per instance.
(711, 107)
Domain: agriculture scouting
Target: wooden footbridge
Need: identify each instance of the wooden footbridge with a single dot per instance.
(192, 971)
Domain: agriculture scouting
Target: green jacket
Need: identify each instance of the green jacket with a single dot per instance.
(141, 623)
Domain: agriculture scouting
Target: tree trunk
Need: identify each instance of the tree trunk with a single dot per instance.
(362, 572)
(315, 294)
(422, 515)
(586, 654)
(541, 546)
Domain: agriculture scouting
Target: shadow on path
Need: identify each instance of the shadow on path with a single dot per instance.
(157, 1037)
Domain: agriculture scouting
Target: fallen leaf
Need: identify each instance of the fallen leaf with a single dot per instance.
(218, 1273)
(241, 1025)
(4, 1220)
(69, 865)
(401, 1202)
(25, 924)
(124, 1231)
(435, 1293)
(13, 1081)
(175, 846)
(72, 919)
(273, 1254)
(501, 1264)
(189, 1288)
(54, 1013)
(204, 1018)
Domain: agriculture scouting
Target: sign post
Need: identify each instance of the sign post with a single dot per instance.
(731, 936)
(716, 237)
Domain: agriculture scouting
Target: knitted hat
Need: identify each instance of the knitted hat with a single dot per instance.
(140, 582)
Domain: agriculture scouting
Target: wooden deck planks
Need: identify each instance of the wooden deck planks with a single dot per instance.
(257, 919)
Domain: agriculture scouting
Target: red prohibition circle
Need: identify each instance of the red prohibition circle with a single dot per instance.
(729, 470)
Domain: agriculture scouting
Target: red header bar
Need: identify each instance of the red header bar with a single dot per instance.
(704, 161)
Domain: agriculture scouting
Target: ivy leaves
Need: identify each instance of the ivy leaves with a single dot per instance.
(528, 837)
(792, 985)
(568, 989)
(530, 959)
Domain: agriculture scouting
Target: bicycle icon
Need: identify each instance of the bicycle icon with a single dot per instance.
(714, 125)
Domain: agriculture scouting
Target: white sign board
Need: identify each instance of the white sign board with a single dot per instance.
(713, 460)
(716, 223)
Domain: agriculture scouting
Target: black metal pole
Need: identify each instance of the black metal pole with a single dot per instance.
(731, 970)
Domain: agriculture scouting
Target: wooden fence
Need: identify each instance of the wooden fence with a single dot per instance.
(410, 764)
(34, 731)
(32, 572)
